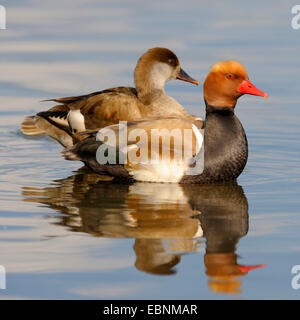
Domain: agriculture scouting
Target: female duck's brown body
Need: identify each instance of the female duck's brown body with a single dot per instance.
(99, 109)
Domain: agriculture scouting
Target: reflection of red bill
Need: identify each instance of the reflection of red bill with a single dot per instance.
(245, 269)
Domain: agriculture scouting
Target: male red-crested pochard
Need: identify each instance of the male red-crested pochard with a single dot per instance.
(224, 150)
(99, 109)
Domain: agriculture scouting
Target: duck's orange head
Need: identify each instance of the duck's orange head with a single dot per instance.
(226, 82)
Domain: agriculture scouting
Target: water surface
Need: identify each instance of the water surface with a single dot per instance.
(66, 233)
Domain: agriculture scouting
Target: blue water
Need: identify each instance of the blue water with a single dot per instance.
(66, 235)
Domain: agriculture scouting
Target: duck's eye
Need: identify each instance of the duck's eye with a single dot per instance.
(229, 76)
(172, 62)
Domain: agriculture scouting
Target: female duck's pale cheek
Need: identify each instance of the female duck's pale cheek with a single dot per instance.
(160, 73)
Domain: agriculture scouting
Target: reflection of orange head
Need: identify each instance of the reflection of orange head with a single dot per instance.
(222, 266)
(223, 270)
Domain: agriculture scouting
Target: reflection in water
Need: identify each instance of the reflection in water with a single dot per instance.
(166, 220)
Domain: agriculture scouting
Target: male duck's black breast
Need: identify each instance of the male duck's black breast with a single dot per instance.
(225, 148)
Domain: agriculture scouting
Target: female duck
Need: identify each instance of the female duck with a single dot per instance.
(99, 109)
(219, 143)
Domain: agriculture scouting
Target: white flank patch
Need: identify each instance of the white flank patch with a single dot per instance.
(76, 120)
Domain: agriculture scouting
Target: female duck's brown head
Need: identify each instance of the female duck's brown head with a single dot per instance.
(226, 82)
(155, 68)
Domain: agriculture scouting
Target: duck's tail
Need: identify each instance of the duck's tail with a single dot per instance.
(36, 125)
(29, 127)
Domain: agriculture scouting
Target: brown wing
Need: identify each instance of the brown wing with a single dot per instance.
(109, 108)
(105, 107)
(99, 108)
